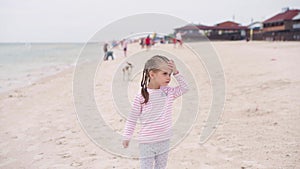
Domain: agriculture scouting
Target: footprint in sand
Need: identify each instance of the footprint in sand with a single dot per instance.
(76, 164)
(64, 155)
(38, 157)
(61, 141)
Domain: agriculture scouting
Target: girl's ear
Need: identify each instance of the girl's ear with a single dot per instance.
(151, 74)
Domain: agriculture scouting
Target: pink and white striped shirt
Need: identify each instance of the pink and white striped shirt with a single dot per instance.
(156, 115)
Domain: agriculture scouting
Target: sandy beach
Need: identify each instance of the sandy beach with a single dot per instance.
(259, 127)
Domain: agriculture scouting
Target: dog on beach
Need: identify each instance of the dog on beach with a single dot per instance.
(127, 71)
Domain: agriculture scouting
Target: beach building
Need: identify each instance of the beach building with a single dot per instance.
(255, 31)
(283, 26)
(192, 32)
(222, 31)
(227, 31)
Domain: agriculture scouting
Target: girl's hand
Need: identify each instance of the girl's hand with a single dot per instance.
(125, 143)
(172, 66)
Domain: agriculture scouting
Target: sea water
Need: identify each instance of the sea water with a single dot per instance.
(22, 64)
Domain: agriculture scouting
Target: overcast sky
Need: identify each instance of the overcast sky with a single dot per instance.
(78, 20)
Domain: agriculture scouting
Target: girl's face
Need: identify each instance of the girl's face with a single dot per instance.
(161, 77)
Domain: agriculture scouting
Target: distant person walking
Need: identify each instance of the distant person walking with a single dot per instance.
(179, 38)
(124, 45)
(142, 43)
(107, 53)
(105, 48)
(148, 42)
(154, 36)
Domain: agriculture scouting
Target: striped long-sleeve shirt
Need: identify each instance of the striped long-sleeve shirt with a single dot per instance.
(156, 115)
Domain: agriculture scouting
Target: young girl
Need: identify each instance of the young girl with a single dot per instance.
(153, 107)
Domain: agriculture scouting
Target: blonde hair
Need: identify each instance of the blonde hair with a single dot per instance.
(153, 64)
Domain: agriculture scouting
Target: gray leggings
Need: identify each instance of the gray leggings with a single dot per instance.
(154, 153)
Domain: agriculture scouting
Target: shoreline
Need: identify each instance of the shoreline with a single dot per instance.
(42, 79)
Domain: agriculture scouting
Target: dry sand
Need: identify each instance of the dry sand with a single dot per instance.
(259, 127)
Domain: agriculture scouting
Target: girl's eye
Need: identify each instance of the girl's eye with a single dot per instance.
(165, 73)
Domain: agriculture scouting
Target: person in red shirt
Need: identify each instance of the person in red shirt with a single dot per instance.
(148, 42)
